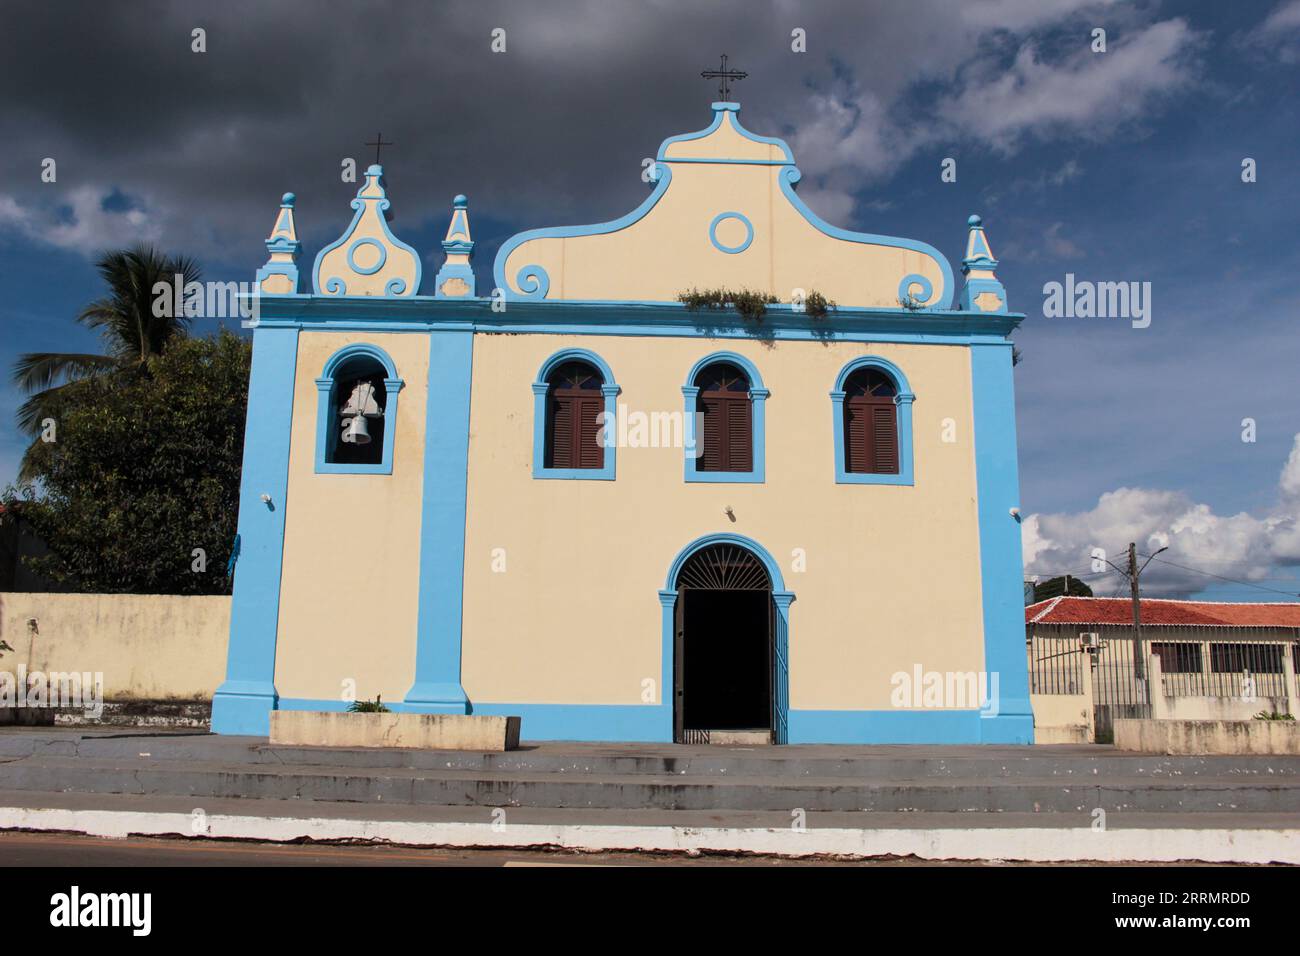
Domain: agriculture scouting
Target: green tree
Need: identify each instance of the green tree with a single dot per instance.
(144, 471)
(1067, 585)
(132, 335)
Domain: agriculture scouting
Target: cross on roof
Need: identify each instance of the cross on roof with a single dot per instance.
(379, 141)
(725, 75)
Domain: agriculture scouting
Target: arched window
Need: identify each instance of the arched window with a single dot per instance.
(872, 405)
(870, 423)
(574, 417)
(725, 410)
(357, 408)
(727, 416)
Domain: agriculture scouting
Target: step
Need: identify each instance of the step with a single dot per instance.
(1080, 764)
(518, 788)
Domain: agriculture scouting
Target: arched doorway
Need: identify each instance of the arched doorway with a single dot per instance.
(729, 644)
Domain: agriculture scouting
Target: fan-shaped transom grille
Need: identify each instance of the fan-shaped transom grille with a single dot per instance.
(724, 567)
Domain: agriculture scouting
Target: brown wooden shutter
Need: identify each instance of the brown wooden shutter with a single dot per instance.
(739, 435)
(870, 436)
(884, 439)
(589, 453)
(560, 449)
(575, 429)
(714, 435)
(728, 432)
(857, 439)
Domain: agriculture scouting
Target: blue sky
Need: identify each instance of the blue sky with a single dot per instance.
(1115, 166)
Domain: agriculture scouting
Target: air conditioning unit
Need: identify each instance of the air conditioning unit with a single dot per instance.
(1089, 640)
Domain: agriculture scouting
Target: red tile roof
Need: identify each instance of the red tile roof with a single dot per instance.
(1156, 611)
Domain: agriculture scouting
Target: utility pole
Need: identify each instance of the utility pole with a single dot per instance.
(1139, 665)
(1134, 575)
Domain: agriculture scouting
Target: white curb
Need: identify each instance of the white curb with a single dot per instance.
(1032, 844)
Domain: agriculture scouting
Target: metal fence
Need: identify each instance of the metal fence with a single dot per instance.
(1224, 667)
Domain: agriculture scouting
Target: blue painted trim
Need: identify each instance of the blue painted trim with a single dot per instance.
(395, 287)
(327, 412)
(902, 402)
(244, 701)
(731, 250)
(732, 113)
(758, 396)
(997, 482)
(905, 288)
(789, 179)
(437, 687)
(609, 389)
(604, 316)
(652, 723)
(533, 280)
(366, 241)
(902, 726)
(725, 537)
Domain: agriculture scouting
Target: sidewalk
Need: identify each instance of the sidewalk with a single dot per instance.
(1034, 804)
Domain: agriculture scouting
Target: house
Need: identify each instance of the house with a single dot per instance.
(572, 498)
(1214, 659)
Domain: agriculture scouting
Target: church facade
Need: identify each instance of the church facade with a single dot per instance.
(615, 496)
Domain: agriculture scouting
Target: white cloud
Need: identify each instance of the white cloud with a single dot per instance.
(81, 224)
(1279, 33)
(1240, 546)
(1089, 94)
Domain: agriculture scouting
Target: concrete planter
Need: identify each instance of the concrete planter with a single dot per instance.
(417, 731)
(1208, 736)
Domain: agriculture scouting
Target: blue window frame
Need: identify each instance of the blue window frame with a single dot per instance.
(903, 399)
(348, 365)
(609, 389)
(758, 399)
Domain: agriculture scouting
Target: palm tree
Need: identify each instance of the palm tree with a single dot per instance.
(131, 332)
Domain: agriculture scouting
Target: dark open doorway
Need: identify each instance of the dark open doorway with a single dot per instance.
(723, 662)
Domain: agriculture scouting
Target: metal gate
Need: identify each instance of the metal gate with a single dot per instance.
(727, 567)
(1117, 690)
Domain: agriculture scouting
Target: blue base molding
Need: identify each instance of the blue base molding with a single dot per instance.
(909, 727)
(653, 723)
(436, 698)
(243, 707)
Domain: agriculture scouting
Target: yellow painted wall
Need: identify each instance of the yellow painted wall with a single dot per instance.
(350, 582)
(673, 251)
(147, 646)
(892, 575)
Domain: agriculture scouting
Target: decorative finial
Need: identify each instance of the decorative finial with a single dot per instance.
(983, 292)
(280, 274)
(455, 280)
(725, 76)
(368, 259)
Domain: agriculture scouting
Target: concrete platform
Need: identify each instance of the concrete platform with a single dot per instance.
(1042, 803)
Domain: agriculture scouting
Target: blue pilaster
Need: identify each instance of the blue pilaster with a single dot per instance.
(243, 703)
(997, 476)
(437, 687)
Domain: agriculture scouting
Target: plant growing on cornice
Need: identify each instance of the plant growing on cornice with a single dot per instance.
(1273, 715)
(909, 302)
(375, 706)
(749, 304)
(817, 305)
